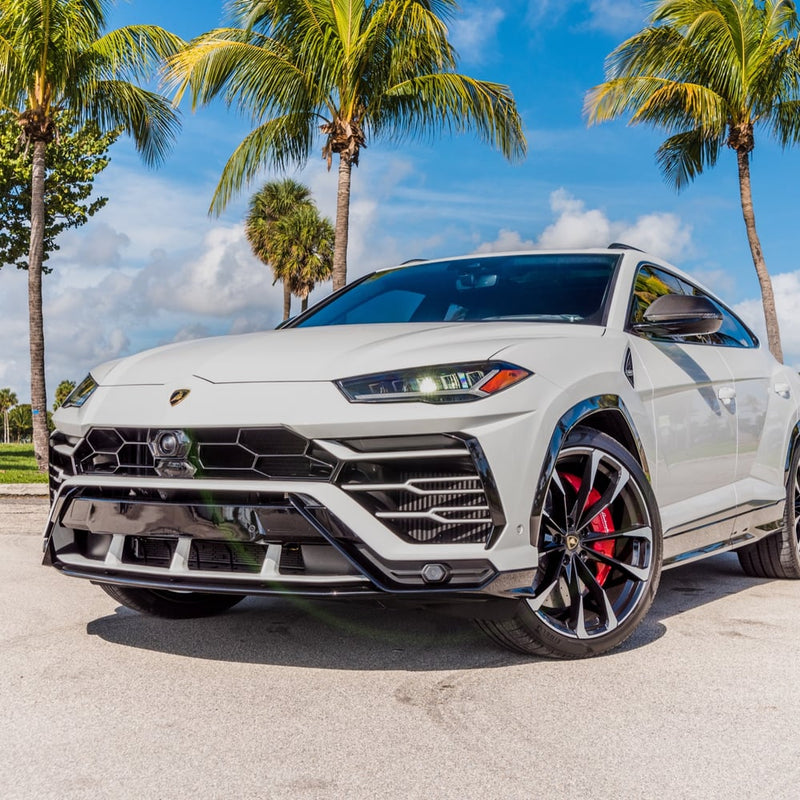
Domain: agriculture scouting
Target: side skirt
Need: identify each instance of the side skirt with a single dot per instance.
(720, 533)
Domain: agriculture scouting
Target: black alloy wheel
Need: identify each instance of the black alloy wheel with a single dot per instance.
(599, 555)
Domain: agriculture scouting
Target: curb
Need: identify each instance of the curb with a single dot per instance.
(23, 490)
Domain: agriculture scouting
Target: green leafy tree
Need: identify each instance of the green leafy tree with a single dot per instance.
(74, 159)
(56, 56)
(711, 73)
(302, 246)
(63, 391)
(8, 400)
(20, 422)
(275, 200)
(348, 71)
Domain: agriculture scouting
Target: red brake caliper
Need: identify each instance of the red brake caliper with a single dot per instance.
(602, 523)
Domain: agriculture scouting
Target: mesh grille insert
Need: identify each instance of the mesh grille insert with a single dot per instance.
(431, 499)
(243, 453)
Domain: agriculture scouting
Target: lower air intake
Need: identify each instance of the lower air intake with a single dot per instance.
(436, 497)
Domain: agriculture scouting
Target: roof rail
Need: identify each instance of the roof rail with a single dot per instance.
(623, 246)
(414, 261)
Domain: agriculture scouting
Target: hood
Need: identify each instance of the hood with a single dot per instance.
(331, 352)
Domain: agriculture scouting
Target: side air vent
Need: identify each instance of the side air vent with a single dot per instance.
(628, 368)
(426, 489)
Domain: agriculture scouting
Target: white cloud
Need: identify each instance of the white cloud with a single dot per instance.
(720, 281)
(220, 279)
(660, 233)
(506, 241)
(576, 226)
(617, 16)
(473, 32)
(100, 246)
(786, 288)
(551, 11)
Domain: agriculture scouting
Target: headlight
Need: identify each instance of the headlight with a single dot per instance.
(445, 383)
(81, 393)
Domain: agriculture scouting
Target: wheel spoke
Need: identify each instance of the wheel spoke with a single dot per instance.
(639, 532)
(587, 483)
(600, 597)
(537, 601)
(555, 480)
(552, 574)
(551, 526)
(606, 499)
(637, 573)
(577, 616)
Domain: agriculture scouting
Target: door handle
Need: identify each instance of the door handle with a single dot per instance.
(783, 389)
(726, 394)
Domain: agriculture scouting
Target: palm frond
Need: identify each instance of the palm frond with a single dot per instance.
(683, 156)
(656, 101)
(146, 116)
(279, 142)
(451, 102)
(135, 51)
(786, 122)
(255, 73)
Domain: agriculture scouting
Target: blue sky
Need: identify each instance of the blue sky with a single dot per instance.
(153, 267)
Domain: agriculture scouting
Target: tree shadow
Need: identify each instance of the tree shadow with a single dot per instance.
(323, 634)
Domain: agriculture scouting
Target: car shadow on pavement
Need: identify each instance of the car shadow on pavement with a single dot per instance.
(367, 636)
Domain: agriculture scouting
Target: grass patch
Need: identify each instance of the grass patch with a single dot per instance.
(18, 465)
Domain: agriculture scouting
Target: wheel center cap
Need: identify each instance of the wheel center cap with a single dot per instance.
(572, 541)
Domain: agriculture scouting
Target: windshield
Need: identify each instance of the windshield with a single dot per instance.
(531, 287)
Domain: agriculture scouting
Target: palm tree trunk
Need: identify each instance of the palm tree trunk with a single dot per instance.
(342, 222)
(287, 300)
(35, 259)
(304, 304)
(767, 295)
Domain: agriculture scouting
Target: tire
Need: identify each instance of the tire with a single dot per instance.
(171, 605)
(599, 555)
(778, 555)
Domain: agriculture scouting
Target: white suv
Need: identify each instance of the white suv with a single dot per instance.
(533, 436)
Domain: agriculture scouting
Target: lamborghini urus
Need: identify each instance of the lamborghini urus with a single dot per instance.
(530, 437)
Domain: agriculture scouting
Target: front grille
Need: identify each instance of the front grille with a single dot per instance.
(438, 497)
(426, 489)
(149, 551)
(254, 453)
(227, 556)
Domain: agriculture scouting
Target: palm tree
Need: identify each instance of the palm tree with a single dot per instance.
(55, 56)
(63, 391)
(8, 400)
(274, 201)
(710, 72)
(348, 70)
(302, 246)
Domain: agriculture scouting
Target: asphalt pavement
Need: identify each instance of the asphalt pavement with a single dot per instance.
(290, 699)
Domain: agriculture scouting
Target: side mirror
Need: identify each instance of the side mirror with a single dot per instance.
(680, 315)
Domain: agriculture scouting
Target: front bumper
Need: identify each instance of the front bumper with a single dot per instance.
(299, 536)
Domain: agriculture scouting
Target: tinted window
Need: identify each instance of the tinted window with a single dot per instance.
(652, 283)
(540, 288)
